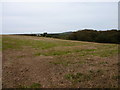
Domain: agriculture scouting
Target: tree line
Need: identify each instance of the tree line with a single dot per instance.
(109, 36)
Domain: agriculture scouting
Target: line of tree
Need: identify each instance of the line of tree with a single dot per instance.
(109, 36)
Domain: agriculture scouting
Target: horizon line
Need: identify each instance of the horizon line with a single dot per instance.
(53, 32)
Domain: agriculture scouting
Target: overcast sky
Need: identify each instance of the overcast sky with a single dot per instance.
(58, 16)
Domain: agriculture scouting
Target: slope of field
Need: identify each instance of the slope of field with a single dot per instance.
(37, 62)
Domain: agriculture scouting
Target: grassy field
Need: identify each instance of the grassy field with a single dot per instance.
(38, 62)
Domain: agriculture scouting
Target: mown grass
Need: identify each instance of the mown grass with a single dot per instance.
(82, 52)
(102, 50)
(17, 43)
(13, 43)
(62, 52)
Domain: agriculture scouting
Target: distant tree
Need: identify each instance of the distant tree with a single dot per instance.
(45, 34)
(72, 36)
(109, 36)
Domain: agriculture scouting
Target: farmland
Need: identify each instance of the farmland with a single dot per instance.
(40, 62)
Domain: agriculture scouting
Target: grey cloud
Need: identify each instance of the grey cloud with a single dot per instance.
(58, 17)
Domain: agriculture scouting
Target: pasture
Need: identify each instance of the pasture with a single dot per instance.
(40, 62)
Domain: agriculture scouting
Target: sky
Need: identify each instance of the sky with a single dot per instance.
(56, 17)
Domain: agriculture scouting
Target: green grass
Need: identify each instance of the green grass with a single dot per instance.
(102, 50)
(13, 43)
(52, 53)
(80, 77)
(105, 52)
(63, 52)
(81, 52)
(17, 43)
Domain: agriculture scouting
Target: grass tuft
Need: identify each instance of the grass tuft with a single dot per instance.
(78, 77)
(34, 85)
